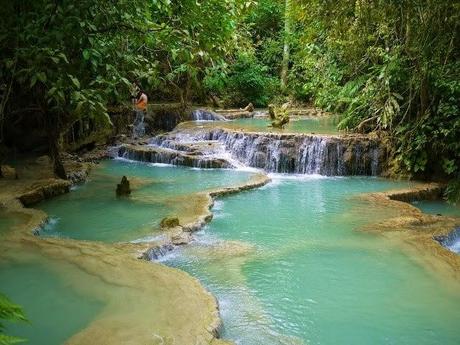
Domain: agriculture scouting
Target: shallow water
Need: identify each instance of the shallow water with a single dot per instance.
(298, 272)
(319, 125)
(438, 207)
(54, 310)
(93, 212)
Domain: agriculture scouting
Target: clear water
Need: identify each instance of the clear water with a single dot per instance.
(93, 212)
(319, 125)
(298, 271)
(55, 312)
(438, 207)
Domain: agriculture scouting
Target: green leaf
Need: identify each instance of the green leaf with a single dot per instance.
(75, 81)
(41, 76)
(33, 80)
(63, 57)
(86, 54)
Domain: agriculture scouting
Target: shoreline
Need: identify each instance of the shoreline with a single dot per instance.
(114, 266)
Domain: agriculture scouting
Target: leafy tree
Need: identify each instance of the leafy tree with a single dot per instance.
(67, 60)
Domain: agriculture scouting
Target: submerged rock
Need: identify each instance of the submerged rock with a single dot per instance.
(123, 188)
(169, 222)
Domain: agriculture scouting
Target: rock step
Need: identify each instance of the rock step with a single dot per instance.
(153, 154)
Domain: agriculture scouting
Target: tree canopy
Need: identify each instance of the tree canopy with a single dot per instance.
(389, 66)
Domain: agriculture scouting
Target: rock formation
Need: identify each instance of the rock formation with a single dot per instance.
(123, 188)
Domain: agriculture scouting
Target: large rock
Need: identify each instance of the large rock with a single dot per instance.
(123, 188)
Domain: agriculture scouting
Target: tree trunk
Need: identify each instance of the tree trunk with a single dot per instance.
(287, 34)
(58, 167)
(52, 129)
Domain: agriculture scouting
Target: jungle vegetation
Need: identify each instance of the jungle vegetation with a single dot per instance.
(384, 65)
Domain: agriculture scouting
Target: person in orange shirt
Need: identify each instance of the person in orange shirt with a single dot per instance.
(140, 102)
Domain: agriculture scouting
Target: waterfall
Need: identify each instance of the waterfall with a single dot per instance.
(138, 125)
(272, 152)
(302, 154)
(206, 115)
(451, 241)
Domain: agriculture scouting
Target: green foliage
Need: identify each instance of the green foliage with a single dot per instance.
(246, 81)
(432, 141)
(12, 313)
(453, 191)
(385, 68)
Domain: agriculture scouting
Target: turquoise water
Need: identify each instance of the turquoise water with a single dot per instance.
(298, 271)
(93, 212)
(438, 207)
(55, 312)
(320, 125)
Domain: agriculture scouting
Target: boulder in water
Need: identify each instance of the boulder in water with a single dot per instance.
(249, 108)
(169, 222)
(123, 188)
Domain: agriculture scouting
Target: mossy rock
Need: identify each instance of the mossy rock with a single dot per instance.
(169, 222)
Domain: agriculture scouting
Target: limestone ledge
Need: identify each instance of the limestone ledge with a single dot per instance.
(44, 190)
(325, 154)
(181, 235)
(162, 305)
(152, 154)
(416, 231)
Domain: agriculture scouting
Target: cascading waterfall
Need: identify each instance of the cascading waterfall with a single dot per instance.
(280, 153)
(303, 154)
(206, 115)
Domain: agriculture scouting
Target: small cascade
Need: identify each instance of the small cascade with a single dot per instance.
(272, 152)
(451, 241)
(139, 125)
(206, 115)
